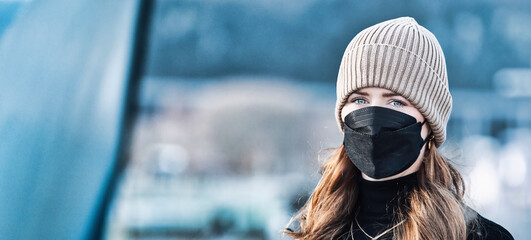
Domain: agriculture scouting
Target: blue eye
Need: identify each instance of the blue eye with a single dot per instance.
(397, 103)
(359, 101)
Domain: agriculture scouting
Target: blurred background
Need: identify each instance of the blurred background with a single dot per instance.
(201, 119)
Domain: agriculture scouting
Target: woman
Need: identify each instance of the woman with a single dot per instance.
(388, 179)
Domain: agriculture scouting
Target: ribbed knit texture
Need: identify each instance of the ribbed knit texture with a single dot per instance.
(404, 57)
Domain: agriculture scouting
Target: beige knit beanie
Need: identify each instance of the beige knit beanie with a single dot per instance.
(404, 57)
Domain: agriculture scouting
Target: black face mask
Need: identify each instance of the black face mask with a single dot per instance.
(382, 142)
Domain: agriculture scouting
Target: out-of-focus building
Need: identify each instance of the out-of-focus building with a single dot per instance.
(183, 119)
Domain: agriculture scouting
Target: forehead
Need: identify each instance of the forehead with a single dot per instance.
(375, 91)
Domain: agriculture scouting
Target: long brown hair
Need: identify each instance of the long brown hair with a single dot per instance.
(435, 210)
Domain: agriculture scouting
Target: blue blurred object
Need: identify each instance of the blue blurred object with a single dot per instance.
(221, 120)
(8, 11)
(64, 68)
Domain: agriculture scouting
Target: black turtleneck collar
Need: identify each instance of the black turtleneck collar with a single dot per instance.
(379, 199)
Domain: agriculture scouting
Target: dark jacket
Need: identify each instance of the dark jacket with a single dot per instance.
(484, 229)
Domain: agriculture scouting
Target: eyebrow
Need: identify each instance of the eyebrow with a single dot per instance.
(390, 94)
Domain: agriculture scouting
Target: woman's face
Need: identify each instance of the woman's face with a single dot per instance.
(382, 97)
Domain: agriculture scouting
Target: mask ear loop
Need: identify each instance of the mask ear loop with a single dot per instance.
(430, 136)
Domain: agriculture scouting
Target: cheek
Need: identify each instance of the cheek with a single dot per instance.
(425, 130)
(348, 108)
(417, 115)
(411, 111)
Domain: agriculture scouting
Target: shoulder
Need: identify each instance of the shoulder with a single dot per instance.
(481, 228)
